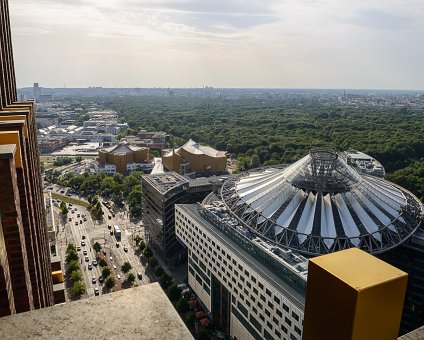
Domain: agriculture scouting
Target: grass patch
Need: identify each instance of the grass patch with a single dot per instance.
(72, 200)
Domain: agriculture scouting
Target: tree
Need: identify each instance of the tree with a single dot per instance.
(105, 272)
(102, 263)
(165, 281)
(64, 208)
(126, 267)
(110, 282)
(78, 288)
(75, 276)
(71, 256)
(131, 278)
(190, 318)
(137, 239)
(174, 293)
(70, 248)
(72, 266)
(153, 262)
(147, 252)
(254, 161)
(142, 246)
(182, 305)
(97, 247)
(159, 271)
(78, 159)
(203, 334)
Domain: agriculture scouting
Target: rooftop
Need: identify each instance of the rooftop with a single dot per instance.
(139, 313)
(195, 148)
(164, 182)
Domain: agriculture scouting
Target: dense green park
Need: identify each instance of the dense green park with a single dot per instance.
(270, 131)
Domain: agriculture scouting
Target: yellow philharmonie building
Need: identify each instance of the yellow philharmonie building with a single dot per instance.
(193, 157)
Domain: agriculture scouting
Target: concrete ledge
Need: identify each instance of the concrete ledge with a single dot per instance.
(417, 334)
(139, 313)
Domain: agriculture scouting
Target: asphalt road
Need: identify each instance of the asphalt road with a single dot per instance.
(73, 232)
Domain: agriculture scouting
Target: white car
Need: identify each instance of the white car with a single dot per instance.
(118, 276)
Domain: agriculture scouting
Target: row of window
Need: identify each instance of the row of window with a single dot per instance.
(261, 301)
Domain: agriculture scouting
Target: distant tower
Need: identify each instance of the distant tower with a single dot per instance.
(37, 91)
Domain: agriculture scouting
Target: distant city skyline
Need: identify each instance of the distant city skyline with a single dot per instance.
(193, 43)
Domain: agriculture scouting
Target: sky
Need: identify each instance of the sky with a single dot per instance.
(221, 43)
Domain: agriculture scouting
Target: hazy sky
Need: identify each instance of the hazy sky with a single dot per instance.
(221, 43)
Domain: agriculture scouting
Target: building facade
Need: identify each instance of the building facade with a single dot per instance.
(161, 192)
(250, 292)
(125, 156)
(194, 158)
(268, 219)
(25, 273)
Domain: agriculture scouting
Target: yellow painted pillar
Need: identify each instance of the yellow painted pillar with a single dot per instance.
(352, 295)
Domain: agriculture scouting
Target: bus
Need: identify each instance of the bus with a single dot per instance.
(117, 232)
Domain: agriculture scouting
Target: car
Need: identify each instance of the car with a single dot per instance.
(85, 252)
(83, 243)
(86, 258)
(90, 266)
(126, 249)
(72, 211)
(117, 244)
(78, 215)
(50, 188)
(83, 237)
(93, 280)
(68, 194)
(80, 221)
(94, 263)
(101, 279)
(109, 227)
(109, 217)
(114, 267)
(62, 191)
(111, 232)
(118, 276)
(113, 214)
(110, 258)
(96, 291)
(70, 219)
(79, 248)
(85, 219)
(140, 275)
(70, 204)
(76, 222)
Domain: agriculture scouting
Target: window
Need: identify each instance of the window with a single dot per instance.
(255, 291)
(295, 316)
(277, 300)
(297, 330)
(279, 313)
(261, 286)
(275, 320)
(270, 305)
(287, 320)
(253, 279)
(263, 298)
(285, 307)
(284, 329)
(268, 314)
(268, 292)
(269, 325)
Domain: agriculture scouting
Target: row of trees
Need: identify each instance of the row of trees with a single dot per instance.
(118, 188)
(73, 271)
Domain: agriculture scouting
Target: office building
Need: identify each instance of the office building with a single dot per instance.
(248, 245)
(25, 272)
(194, 158)
(161, 192)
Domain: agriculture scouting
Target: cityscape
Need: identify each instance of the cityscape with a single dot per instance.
(207, 212)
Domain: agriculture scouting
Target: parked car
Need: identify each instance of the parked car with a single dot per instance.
(139, 275)
(96, 291)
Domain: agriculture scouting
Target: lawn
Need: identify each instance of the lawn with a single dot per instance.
(72, 200)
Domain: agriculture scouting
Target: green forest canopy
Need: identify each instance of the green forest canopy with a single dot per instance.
(278, 131)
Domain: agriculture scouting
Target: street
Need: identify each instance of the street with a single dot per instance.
(79, 227)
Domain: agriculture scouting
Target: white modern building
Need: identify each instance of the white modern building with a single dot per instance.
(245, 242)
(258, 290)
